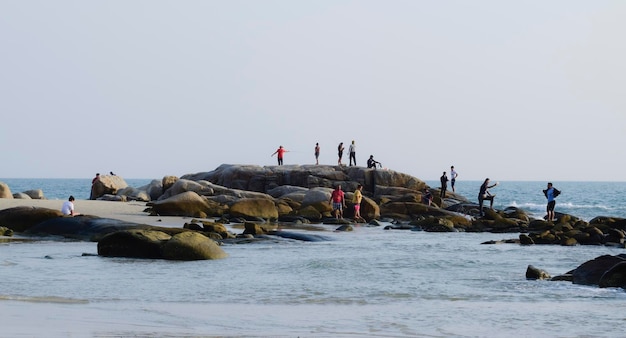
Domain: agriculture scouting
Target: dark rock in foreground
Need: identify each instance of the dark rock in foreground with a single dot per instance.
(603, 271)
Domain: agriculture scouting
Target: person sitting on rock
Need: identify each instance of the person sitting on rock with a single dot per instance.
(371, 163)
(68, 207)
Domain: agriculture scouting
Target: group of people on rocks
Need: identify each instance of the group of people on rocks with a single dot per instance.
(338, 202)
(484, 195)
(371, 162)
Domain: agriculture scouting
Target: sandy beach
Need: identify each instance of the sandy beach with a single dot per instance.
(126, 211)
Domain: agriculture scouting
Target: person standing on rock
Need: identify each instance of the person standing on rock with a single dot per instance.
(484, 194)
(340, 152)
(453, 176)
(551, 193)
(317, 153)
(338, 201)
(280, 151)
(352, 150)
(358, 196)
(93, 182)
(444, 185)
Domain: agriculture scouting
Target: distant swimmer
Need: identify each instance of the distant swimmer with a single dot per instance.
(484, 194)
(551, 193)
(280, 151)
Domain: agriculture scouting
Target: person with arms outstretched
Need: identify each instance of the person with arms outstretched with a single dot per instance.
(484, 194)
(280, 151)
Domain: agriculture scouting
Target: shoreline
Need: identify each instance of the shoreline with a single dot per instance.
(126, 211)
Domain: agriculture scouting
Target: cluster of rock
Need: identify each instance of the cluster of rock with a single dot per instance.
(36, 194)
(603, 271)
(300, 194)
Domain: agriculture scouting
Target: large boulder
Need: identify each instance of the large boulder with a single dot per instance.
(191, 245)
(133, 244)
(36, 194)
(318, 199)
(253, 208)
(5, 191)
(614, 277)
(184, 185)
(186, 204)
(154, 189)
(591, 272)
(134, 194)
(22, 218)
(82, 227)
(167, 182)
(107, 184)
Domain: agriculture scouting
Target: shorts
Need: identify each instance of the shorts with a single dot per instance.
(337, 206)
(551, 205)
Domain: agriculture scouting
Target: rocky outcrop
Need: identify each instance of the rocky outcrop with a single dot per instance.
(184, 246)
(107, 184)
(185, 204)
(5, 191)
(133, 244)
(603, 271)
(253, 208)
(188, 246)
(20, 219)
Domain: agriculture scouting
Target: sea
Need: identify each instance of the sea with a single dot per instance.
(369, 282)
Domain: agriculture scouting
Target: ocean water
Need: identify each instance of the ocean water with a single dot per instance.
(368, 282)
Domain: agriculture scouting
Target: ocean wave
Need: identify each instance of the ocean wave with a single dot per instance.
(49, 299)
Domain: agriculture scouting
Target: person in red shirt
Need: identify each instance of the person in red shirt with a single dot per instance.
(280, 151)
(337, 201)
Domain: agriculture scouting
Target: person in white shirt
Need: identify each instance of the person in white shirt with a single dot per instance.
(352, 150)
(68, 207)
(453, 176)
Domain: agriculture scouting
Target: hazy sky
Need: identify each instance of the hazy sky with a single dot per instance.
(511, 90)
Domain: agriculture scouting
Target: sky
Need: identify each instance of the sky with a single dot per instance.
(510, 90)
